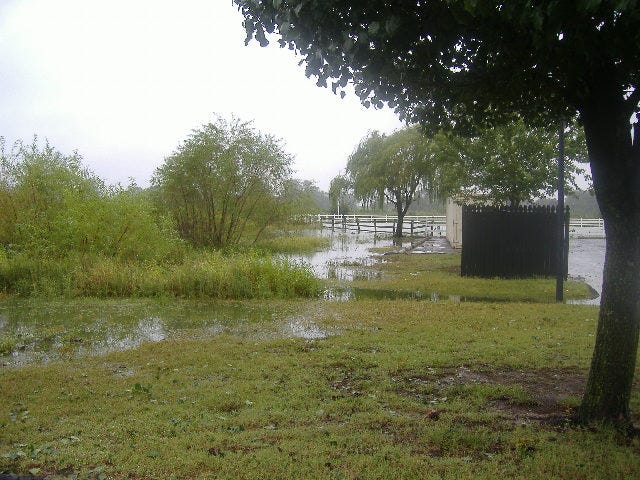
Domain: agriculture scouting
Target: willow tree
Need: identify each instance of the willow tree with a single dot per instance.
(225, 180)
(460, 64)
(338, 190)
(396, 168)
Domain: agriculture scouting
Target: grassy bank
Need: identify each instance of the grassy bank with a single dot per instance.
(397, 389)
(205, 274)
(439, 275)
(290, 242)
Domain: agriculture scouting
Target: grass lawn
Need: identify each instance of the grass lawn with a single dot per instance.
(440, 275)
(399, 389)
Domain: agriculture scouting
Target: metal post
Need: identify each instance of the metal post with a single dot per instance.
(560, 216)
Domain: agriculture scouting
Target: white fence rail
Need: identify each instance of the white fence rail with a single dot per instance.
(586, 228)
(435, 224)
(412, 224)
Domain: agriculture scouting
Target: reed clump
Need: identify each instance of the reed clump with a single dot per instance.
(203, 274)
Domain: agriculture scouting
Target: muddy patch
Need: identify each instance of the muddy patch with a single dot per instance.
(522, 396)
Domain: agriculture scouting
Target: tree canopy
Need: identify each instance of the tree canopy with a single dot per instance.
(538, 58)
(508, 164)
(338, 189)
(225, 178)
(468, 64)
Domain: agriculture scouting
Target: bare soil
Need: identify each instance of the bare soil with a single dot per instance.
(552, 393)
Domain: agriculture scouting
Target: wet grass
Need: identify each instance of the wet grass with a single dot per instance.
(201, 274)
(379, 389)
(438, 276)
(401, 389)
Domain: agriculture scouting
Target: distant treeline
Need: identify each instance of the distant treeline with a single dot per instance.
(583, 204)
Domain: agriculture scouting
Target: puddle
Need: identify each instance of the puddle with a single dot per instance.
(586, 261)
(304, 328)
(343, 294)
(39, 331)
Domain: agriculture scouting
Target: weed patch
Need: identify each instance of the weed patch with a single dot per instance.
(200, 275)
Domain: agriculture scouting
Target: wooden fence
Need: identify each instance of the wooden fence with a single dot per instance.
(511, 242)
(433, 225)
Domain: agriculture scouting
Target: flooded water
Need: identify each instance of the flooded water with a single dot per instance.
(346, 253)
(350, 251)
(37, 330)
(586, 261)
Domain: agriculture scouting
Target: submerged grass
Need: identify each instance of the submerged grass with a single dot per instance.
(440, 275)
(409, 390)
(199, 275)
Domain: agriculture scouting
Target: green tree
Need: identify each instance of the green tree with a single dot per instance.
(508, 164)
(300, 197)
(462, 64)
(40, 187)
(224, 180)
(395, 168)
(338, 189)
(52, 206)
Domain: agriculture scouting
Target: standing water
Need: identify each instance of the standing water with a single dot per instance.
(40, 330)
(346, 252)
(586, 261)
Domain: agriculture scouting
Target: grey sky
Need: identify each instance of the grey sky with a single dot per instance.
(125, 81)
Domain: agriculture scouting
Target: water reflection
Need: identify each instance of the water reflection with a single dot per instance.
(43, 330)
(302, 327)
(347, 251)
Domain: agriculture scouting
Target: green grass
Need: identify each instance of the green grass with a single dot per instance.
(199, 275)
(397, 389)
(401, 389)
(440, 274)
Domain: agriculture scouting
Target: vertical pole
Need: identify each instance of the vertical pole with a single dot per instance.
(567, 219)
(560, 217)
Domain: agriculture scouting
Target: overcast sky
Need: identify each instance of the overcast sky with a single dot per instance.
(124, 82)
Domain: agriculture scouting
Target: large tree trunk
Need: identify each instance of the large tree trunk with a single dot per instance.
(615, 166)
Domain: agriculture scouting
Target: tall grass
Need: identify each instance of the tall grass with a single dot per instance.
(208, 274)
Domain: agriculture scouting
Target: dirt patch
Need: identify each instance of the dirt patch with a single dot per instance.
(549, 393)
